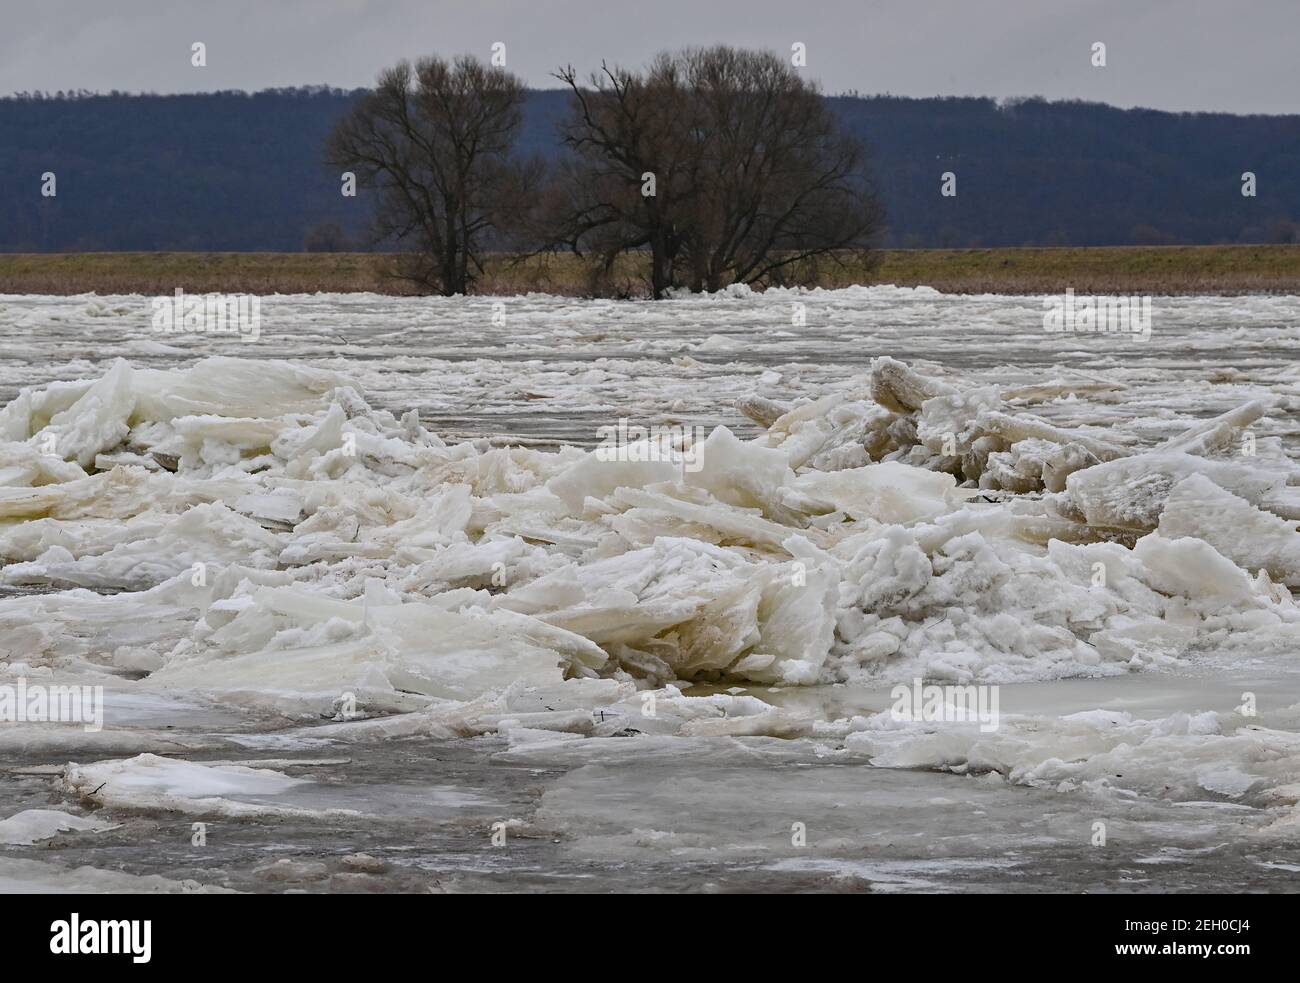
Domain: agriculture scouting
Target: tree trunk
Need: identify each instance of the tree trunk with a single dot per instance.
(660, 265)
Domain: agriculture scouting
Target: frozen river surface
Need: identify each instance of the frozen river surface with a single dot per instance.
(346, 647)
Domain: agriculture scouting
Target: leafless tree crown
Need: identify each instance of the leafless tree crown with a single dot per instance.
(435, 141)
(754, 179)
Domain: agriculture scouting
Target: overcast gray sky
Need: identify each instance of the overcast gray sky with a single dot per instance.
(1229, 55)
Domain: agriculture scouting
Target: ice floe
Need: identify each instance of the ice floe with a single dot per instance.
(264, 534)
(257, 531)
(33, 825)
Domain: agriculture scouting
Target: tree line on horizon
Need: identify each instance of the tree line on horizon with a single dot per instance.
(237, 171)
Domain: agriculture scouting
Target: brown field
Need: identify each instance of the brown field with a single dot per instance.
(1112, 269)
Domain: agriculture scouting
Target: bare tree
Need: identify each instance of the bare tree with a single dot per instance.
(632, 167)
(435, 141)
(784, 182)
(754, 179)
